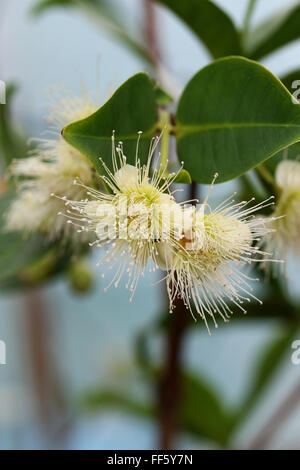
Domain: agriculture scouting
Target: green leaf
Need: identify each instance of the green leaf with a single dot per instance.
(131, 109)
(102, 13)
(17, 253)
(233, 115)
(99, 400)
(211, 24)
(43, 5)
(293, 152)
(12, 145)
(267, 366)
(183, 177)
(26, 261)
(275, 307)
(276, 32)
(202, 412)
(162, 97)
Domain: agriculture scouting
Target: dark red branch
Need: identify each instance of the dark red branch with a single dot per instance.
(150, 32)
(170, 385)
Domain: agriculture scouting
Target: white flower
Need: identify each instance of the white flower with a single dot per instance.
(49, 170)
(205, 270)
(202, 252)
(139, 213)
(286, 216)
(67, 107)
(34, 211)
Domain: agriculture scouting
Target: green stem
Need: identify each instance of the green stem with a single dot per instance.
(264, 172)
(165, 128)
(248, 186)
(267, 179)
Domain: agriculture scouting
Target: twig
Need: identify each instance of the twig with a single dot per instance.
(51, 406)
(170, 386)
(150, 33)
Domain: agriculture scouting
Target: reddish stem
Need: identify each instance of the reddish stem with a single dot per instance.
(170, 386)
(150, 32)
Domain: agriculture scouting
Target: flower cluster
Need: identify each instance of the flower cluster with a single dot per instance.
(201, 250)
(286, 216)
(138, 221)
(50, 169)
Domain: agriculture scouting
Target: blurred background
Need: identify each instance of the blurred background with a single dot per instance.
(63, 347)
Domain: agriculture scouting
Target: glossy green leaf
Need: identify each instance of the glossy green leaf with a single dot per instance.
(210, 23)
(292, 83)
(105, 16)
(131, 109)
(276, 32)
(267, 366)
(233, 115)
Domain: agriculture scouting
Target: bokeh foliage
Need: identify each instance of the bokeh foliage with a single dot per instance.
(232, 116)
